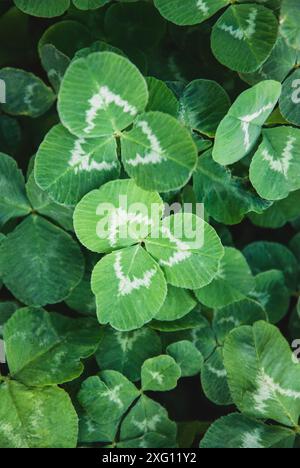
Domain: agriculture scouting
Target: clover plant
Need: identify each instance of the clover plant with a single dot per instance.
(149, 224)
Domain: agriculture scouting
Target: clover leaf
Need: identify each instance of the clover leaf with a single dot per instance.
(133, 273)
(240, 129)
(36, 417)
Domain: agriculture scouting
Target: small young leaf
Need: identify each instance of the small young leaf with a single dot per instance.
(160, 373)
(187, 356)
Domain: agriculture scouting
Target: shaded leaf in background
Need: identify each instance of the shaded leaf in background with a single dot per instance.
(43, 8)
(249, 32)
(289, 22)
(203, 105)
(126, 352)
(226, 197)
(45, 349)
(191, 12)
(26, 94)
(13, 200)
(40, 263)
(264, 256)
(290, 98)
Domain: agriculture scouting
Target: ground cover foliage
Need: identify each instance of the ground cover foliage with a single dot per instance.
(136, 341)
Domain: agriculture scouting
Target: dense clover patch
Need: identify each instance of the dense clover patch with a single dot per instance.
(120, 327)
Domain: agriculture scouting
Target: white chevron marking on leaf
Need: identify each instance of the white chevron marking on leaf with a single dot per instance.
(252, 439)
(29, 95)
(247, 119)
(220, 373)
(281, 165)
(147, 424)
(127, 341)
(267, 389)
(221, 273)
(228, 320)
(203, 7)
(181, 255)
(157, 377)
(121, 217)
(156, 153)
(100, 101)
(239, 33)
(114, 395)
(83, 162)
(126, 285)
